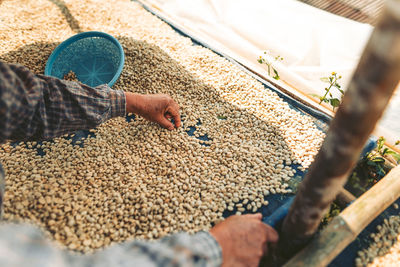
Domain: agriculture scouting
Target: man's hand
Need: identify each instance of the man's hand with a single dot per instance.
(156, 108)
(244, 239)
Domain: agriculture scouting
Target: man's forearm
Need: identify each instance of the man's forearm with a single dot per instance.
(133, 102)
(40, 107)
(182, 249)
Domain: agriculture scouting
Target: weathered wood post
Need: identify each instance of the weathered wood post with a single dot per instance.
(372, 85)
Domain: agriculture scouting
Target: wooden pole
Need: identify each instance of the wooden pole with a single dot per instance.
(344, 198)
(344, 228)
(372, 85)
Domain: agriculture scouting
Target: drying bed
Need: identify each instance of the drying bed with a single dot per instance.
(239, 144)
(242, 143)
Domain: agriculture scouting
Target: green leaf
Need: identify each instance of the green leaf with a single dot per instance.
(385, 151)
(324, 99)
(325, 79)
(222, 117)
(340, 90)
(335, 102)
(337, 85)
(381, 141)
(391, 152)
(378, 160)
(396, 157)
(276, 77)
(260, 61)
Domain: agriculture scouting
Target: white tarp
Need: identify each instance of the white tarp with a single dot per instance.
(312, 42)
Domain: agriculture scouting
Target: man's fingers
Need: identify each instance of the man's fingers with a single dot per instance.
(257, 216)
(273, 236)
(164, 122)
(173, 112)
(265, 248)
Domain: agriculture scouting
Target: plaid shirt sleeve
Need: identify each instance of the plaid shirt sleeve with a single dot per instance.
(40, 107)
(24, 245)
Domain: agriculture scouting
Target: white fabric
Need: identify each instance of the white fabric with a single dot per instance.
(312, 42)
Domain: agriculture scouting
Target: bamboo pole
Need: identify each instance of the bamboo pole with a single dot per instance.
(372, 85)
(347, 225)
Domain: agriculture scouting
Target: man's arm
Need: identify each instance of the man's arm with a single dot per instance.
(238, 241)
(40, 107)
(24, 245)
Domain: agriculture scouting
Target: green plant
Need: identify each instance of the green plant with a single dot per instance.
(334, 211)
(378, 158)
(262, 60)
(387, 151)
(372, 167)
(332, 80)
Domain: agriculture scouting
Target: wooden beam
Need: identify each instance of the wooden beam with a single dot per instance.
(344, 198)
(373, 202)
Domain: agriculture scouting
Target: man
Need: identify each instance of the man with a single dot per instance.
(37, 107)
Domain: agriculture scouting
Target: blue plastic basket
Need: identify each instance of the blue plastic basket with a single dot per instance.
(95, 57)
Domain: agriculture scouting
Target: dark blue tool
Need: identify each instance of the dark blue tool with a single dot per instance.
(279, 214)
